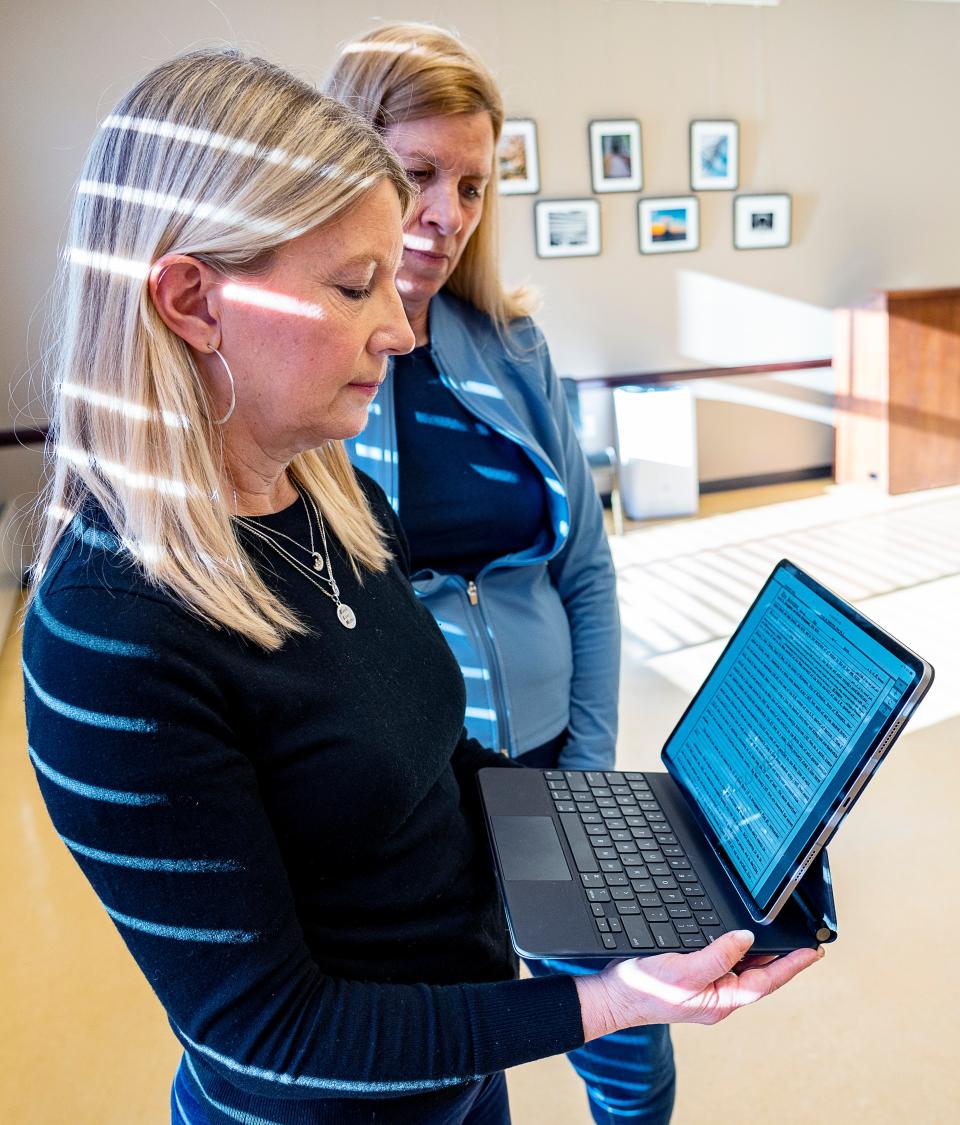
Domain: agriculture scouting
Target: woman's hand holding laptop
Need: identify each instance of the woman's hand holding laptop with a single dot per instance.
(700, 987)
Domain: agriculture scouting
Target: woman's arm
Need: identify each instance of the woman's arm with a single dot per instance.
(130, 735)
(584, 577)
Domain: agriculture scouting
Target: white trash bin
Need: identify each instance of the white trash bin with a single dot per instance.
(657, 441)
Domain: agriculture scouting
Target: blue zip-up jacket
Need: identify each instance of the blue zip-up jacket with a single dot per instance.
(537, 636)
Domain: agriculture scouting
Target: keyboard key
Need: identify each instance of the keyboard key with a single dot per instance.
(604, 926)
(609, 941)
(594, 778)
(614, 879)
(678, 863)
(693, 941)
(600, 841)
(637, 871)
(592, 880)
(711, 933)
(626, 847)
(577, 781)
(679, 911)
(611, 865)
(638, 933)
(655, 914)
(653, 816)
(626, 801)
(619, 834)
(700, 903)
(706, 918)
(649, 806)
(598, 894)
(601, 791)
(694, 890)
(664, 935)
(671, 896)
(615, 925)
(632, 775)
(566, 806)
(591, 818)
(672, 849)
(605, 853)
(683, 926)
(582, 798)
(651, 900)
(610, 814)
(643, 886)
(620, 790)
(553, 783)
(553, 775)
(606, 803)
(657, 868)
(595, 829)
(687, 877)
(578, 841)
(664, 837)
(628, 907)
(615, 777)
(648, 845)
(625, 893)
(597, 908)
(665, 882)
(617, 824)
(641, 833)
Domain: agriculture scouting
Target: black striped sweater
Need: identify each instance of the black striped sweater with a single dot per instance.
(289, 843)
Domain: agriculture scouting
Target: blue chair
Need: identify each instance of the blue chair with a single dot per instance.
(600, 458)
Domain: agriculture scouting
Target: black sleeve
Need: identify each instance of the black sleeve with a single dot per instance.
(130, 736)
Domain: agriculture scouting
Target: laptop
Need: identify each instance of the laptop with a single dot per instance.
(771, 754)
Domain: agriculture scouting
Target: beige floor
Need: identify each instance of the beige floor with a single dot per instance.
(869, 1036)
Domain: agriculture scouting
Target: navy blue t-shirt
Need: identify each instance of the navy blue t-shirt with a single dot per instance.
(467, 494)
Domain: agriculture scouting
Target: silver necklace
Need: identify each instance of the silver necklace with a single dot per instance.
(345, 615)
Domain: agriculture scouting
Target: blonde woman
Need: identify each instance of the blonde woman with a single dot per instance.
(246, 728)
(472, 442)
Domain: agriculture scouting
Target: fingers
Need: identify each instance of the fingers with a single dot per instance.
(759, 981)
(705, 966)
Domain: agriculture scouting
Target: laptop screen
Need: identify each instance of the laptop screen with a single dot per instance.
(783, 722)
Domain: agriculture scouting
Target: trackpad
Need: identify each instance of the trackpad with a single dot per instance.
(529, 849)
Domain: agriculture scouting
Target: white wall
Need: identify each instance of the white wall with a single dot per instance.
(844, 103)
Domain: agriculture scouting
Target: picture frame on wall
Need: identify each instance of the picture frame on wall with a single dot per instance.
(518, 162)
(616, 155)
(567, 228)
(762, 222)
(714, 155)
(669, 225)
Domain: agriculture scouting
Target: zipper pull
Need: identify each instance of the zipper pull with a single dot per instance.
(472, 593)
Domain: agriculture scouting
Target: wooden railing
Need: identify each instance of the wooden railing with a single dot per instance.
(653, 378)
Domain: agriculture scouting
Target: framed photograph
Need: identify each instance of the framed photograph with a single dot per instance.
(519, 165)
(668, 226)
(761, 222)
(616, 158)
(567, 228)
(714, 155)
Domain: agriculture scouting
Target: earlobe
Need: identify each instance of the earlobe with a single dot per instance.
(179, 287)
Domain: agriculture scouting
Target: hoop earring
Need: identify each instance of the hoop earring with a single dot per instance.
(233, 390)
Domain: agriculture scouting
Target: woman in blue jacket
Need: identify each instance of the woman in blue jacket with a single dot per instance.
(472, 442)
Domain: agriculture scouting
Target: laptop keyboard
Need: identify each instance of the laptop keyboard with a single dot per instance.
(641, 888)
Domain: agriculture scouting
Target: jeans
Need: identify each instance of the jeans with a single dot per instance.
(630, 1075)
(481, 1103)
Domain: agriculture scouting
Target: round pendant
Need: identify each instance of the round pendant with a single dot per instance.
(317, 561)
(348, 619)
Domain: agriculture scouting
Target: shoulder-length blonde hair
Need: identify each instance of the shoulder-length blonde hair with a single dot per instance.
(407, 71)
(224, 158)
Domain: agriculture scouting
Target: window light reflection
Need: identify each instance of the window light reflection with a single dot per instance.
(134, 410)
(267, 299)
(120, 473)
(109, 263)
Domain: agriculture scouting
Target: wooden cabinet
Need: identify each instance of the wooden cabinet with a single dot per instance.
(897, 365)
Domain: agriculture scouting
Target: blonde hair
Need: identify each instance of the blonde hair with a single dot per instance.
(224, 158)
(408, 71)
